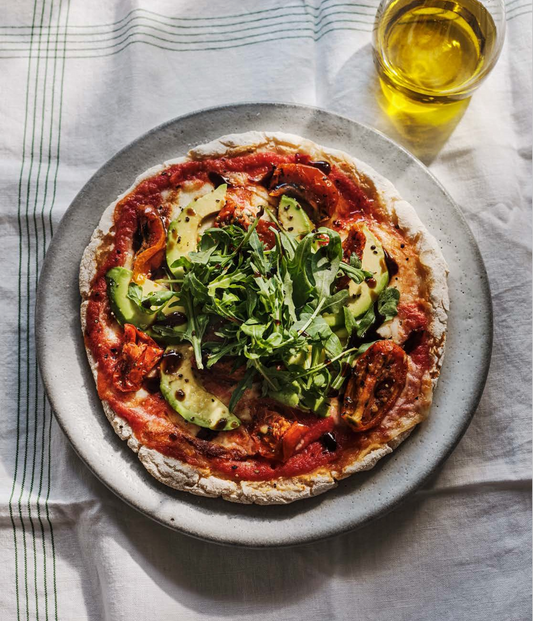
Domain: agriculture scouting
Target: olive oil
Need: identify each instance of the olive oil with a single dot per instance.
(433, 51)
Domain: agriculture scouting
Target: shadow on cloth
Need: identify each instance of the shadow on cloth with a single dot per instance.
(422, 129)
(233, 580)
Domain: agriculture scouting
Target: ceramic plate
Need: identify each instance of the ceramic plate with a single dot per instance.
(358, 499)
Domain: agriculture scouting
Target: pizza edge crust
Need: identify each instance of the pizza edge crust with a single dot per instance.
(182, 476)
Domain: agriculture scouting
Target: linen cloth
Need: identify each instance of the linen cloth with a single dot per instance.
(82, 79)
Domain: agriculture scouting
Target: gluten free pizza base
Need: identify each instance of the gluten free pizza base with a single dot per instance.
(167, 446)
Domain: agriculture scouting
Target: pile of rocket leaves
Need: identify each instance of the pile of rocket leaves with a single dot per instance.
(267, 308)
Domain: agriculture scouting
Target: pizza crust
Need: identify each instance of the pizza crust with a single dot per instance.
(182, 476)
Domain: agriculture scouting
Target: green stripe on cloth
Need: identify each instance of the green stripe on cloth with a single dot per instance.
(526, 12)
(28, 345)
(32, 449)
(19, 333)
(29, 312)
(316, 29)
(517, 7)
(270, 19)
(313, 22)
(145, 21)
(189, 36)
(212, 20)
(40, 388)
(127, 44)
(54, 191)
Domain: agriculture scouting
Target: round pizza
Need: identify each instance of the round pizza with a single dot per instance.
(263, 317)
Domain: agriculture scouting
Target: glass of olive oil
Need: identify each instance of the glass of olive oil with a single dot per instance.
(435, 52)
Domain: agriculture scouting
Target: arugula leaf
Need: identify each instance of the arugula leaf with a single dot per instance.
(387, 307)
(355, 261)
(255, 330)
(286, 241)
(184, 262)
(288, 289)
(202, 257)
(320, 405)
(326, 261)
(388, 303)
(168, 334)
(274, 340)
(349, 321)
(135, 294)
(218, 351)
(363, 324)
(174, 304)
(354, 271)
(333, 345)
(335, 302)
(151, 303)
(251, 302)
(315, 328)
(258, 254)
(248, 234)
(363, 348)
(239, 390)
(156, 300)
(196, 325)
(300, 269)
(224, 281)
(197, 288)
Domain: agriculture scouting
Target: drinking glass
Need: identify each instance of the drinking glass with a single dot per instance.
(436, 52)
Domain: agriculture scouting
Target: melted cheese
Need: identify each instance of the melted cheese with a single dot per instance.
(188, 192)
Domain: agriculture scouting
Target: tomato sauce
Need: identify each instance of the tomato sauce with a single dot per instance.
(151, 421)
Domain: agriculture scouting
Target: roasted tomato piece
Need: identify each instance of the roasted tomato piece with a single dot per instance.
(150, 253)
(138, 357)
(294, 440)
(268, 432)
(413, 316)
(325, 167)
(237, 209)
(277, 437)
(266, 235)
(354, 243)
(300, 435)
(378, 378)
(309, 184)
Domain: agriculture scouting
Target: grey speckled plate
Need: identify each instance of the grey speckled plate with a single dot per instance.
(358, 499)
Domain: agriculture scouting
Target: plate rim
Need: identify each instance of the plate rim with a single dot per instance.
(387, 507)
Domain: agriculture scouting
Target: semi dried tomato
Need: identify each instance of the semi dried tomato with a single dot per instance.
(377, 379)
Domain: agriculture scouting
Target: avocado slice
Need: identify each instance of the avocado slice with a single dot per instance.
(125, 310)
(334, 320)
(187, 396)
(118, 280)
(289, 396)
(182, 236)
(363, 295)
(177, 330)
(293, 218)
(306, 358)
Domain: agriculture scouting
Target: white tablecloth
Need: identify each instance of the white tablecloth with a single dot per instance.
(82, 79)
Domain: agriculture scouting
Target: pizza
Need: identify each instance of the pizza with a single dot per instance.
(263, 318)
